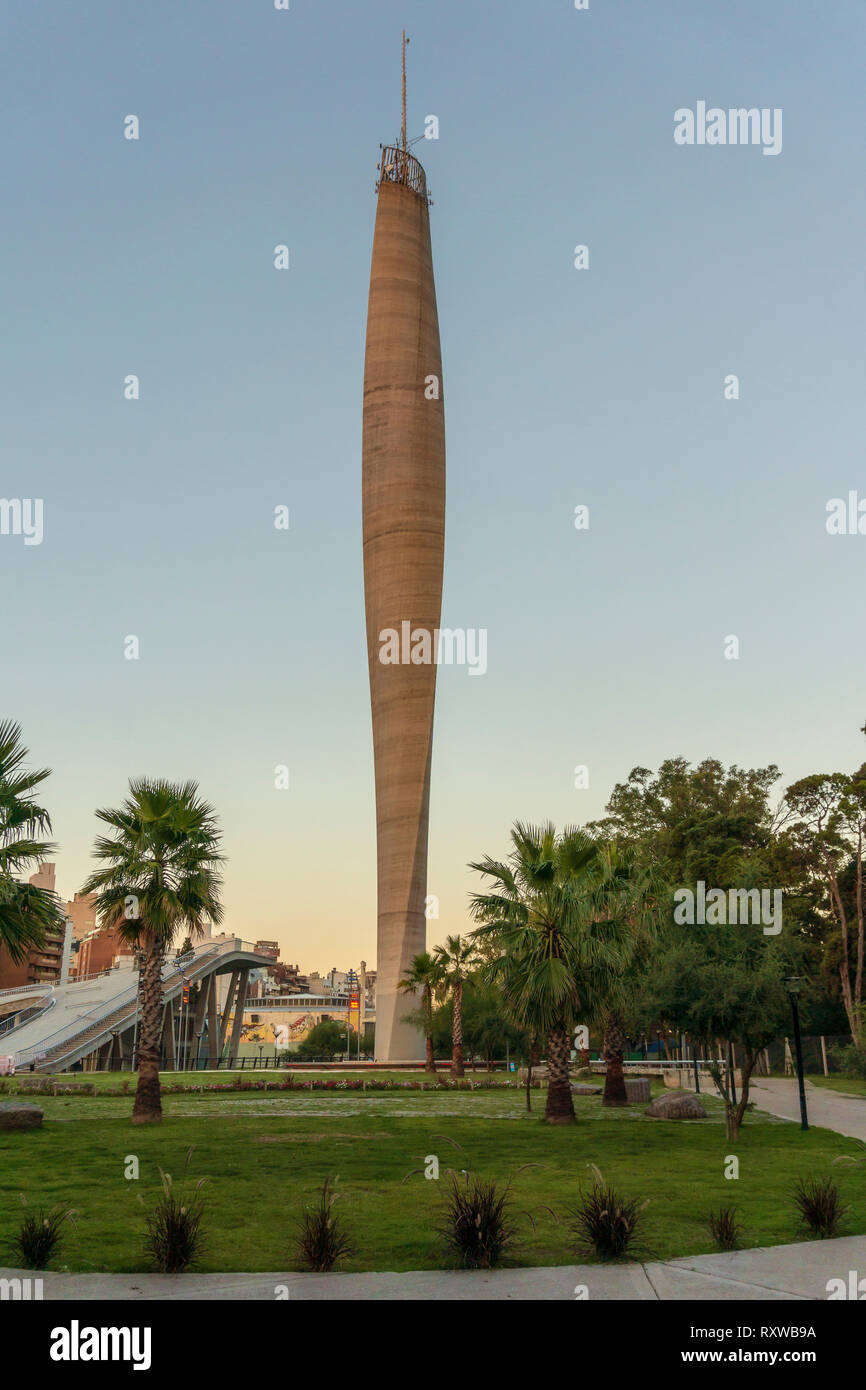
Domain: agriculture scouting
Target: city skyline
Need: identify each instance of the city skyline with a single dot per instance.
(600, 387)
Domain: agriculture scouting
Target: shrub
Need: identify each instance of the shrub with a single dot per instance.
(38, 1238)
(477, 1226)
(724, 1228)
(820, 1205)
(604, 1222)
(321, 1240)
(174, 1240)
(851, 1061)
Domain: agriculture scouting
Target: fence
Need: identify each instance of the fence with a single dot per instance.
(398, 166)
(26, 1014)
(100, 974)
(819, 1054)
(25, 989)
(190, 1064)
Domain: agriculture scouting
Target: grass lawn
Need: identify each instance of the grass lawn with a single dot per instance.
(265, 1154)
(852, 1085)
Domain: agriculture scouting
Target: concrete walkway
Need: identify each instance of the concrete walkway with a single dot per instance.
(825, 1108)
(783, 1272)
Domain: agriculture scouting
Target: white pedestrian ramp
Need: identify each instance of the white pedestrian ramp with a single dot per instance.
(99, 1013)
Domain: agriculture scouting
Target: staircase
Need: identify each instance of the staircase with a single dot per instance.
(58, 1049)
(196, 966)
(73, 1043)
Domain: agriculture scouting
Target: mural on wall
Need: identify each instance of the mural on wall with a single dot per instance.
(279, 1034)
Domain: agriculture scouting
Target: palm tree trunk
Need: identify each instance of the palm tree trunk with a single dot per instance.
(147, 1108)
(430, 1061)
(559, 1109)
(457, 1031)
(614, 1047)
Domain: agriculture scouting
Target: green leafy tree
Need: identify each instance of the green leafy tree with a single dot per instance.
(729, 983)
(829, 820)
(454, 960)
(717, 824)
(159, 875)
(26, 912)
(705, 822)
(423, 977)
(326, 1041)
(488, 1030)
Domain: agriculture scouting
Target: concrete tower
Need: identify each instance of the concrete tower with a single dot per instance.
(404, 543)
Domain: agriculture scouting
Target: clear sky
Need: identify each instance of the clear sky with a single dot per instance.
(602, 387)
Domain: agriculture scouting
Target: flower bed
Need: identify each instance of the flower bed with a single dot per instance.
(342, 1084)
(292, 1083)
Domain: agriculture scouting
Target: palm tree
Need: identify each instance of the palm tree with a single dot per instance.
(615, 1042)
(550, 913)
(454, 959)
(425, 975)
(26, 912)
(160, 875)
(634, 890)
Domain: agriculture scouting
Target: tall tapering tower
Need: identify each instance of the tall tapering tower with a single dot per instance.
(404, 545)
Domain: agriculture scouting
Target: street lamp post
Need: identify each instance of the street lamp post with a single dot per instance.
(794, 982)
(138, 961)
(352, 986)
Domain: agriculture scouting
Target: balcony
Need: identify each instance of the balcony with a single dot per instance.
(399, 166)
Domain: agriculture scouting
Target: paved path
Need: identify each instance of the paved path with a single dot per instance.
(828, 1109)
(783, 1272)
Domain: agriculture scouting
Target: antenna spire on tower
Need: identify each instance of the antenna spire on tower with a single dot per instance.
(403, 127)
